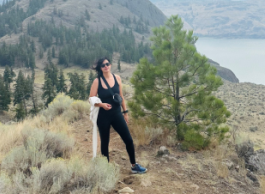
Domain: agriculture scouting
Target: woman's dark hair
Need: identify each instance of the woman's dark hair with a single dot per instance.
(98, 64)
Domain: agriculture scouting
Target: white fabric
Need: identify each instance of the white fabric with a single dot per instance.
(93, 117)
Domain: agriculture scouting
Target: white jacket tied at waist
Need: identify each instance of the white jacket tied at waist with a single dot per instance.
(93, 117)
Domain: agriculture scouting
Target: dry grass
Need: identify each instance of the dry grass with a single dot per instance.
(38, 146)
(145, 132)
(41, 159)
(69, 109)
(10, 136)
(63, 176)
(262, 184)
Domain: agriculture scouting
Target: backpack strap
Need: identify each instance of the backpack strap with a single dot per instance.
(111, 92)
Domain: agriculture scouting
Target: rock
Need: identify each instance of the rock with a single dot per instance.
(162, 151)
(245, 150)
(237, 168)
(253, 177)
(256, 162)
(196, 187)
(126, 190)
(253, 129)
(230, 165)
(123, 158)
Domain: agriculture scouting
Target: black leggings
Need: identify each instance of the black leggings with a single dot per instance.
(117, 121)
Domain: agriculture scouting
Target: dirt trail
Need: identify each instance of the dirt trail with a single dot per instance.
(180, 173)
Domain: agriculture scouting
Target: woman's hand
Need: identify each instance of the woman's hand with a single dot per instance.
(126, 117)
(106, 106)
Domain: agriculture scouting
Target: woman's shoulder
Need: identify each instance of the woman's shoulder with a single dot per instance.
(95, 81)
(117, 77)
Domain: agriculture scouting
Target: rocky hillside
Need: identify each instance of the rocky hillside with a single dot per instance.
(222, 18)
(85, 17)
(103, 14)
(224, 73)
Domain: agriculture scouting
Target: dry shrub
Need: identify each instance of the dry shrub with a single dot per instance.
(5, 183)
(69, 109)
(222, 169)
(152, 134)
(102, 175)
(144, 131)
(222, 157)
(126, 90)
(51, 178)
(171, 140)
(9, 137)
(62, 176)
(262, 184)
(57, 107)
(39, 145)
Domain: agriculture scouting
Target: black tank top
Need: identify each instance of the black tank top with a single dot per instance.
(106, 97)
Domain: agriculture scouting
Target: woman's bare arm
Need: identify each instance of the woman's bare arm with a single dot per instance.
(94, 91)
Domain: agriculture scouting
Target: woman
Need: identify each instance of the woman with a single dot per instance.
(110, 112)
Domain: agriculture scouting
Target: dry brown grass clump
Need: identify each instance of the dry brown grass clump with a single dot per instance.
(145, 132)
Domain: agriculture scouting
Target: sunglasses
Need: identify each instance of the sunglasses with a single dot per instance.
(103, 65)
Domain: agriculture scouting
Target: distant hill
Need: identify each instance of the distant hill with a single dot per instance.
(76, 32)
(219, 18)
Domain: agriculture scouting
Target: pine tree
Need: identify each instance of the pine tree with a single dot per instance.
(22, 91)
(20, 112)
(35, 108)
(90, 81)
(48, 91)
(61, 83)
(82, 87)
(32, 46)
(176, 89)
(8, 78)
(49, 56)
(87, 15)
(100, 6)
(73, 91)
(119, 65)
(32, 64)
(5, 95)
(53, 52)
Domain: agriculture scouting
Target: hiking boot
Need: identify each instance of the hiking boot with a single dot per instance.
(137, 168)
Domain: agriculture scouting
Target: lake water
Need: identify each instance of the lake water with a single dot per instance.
(245, 57)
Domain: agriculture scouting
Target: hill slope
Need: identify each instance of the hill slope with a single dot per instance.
(222, 18)
(47, 24)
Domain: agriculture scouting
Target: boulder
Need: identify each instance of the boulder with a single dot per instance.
(126, 190)
(257, 162)
(162, 151)
(253, 129)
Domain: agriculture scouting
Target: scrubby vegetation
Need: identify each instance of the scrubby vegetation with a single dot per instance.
(37, 156)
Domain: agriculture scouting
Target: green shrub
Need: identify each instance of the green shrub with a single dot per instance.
(194, 140)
